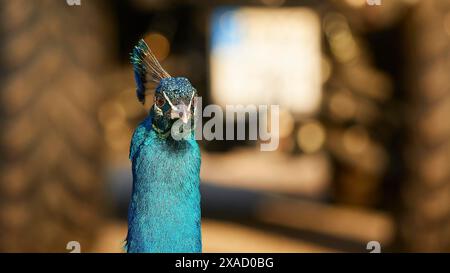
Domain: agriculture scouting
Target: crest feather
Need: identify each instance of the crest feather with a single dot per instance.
(146, 68)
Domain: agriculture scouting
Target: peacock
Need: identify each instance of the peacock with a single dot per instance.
(164, 214)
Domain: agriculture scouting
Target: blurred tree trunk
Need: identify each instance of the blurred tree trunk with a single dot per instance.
(51, 55)
(425, 217)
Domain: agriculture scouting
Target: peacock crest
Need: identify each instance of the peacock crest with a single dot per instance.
(146, 69)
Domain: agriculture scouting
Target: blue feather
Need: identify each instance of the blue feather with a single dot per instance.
(140, 90)
(140, 68)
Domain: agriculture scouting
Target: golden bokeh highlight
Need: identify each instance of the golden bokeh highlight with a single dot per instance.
(356, 3)
(356, 140)
(311, 137)
(342, 43)
(342, 105)
(159, 44)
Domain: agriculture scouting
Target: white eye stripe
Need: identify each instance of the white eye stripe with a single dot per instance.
(173, 106)
(192, 99)
(167, 99)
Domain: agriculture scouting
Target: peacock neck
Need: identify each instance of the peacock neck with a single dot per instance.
(160, 124)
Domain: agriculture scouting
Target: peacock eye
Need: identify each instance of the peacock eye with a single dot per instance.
(160, 101)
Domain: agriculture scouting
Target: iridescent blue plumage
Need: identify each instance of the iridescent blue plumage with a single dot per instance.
(140, 89)
(164, 213)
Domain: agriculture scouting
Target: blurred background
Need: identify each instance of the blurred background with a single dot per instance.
(364, 96)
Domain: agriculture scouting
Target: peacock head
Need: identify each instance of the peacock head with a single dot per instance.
(174, 96)
(174, 100)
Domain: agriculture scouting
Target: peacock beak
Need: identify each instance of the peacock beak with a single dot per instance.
(185, 116)
(181, 112)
